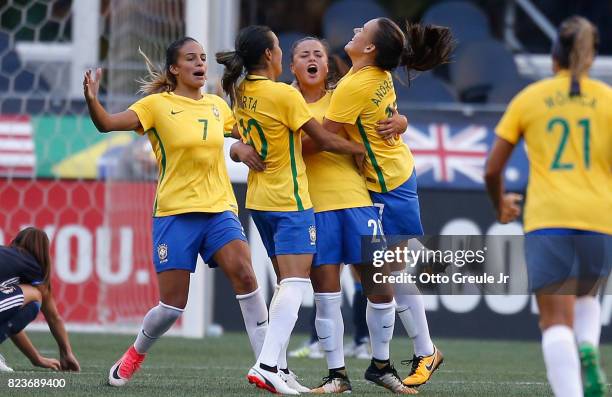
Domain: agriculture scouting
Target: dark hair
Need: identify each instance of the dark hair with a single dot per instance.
(423, 47)
(159, 81)
(250, 45)
(333, 75)
(35, 242)
(575, 47)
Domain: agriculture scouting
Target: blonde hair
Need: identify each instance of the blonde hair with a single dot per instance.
(156, 81)
(575, 48)
(162, 81)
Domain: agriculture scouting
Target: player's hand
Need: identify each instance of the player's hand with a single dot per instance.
(249, 156)
(44, 362)
(360, 160)
(393, 127)
(69, 362)
(91, 84)
(509, 208)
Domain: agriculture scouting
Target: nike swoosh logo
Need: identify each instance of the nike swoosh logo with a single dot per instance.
(116, 372)
(261, 323)
(172, 112)
(387, 326)
(430, 367)
(327, 337)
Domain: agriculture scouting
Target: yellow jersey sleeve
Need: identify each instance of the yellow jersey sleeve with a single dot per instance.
(144, 110)
(346, 103)
(293, 110)
(227, 115)
(509, 127)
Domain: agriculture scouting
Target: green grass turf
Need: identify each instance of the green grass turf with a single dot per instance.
(217, 367)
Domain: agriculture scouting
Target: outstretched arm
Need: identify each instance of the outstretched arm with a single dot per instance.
(24, 344)
(67, 359)
(104, 121)
(506, 204)
(327, 139)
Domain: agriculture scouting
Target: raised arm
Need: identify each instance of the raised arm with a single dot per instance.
(327, 139)
(506, 204)
(67, 359)
(104, 121)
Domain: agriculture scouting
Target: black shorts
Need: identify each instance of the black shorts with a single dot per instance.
(11, 300)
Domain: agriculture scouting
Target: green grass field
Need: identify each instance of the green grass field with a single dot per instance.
(217, 367)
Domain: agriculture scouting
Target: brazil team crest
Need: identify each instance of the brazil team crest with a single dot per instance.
(162, 253)
(215, 111)
(312, 231)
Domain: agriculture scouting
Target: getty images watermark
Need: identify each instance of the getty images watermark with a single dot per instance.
(433, 257)
(495, 264)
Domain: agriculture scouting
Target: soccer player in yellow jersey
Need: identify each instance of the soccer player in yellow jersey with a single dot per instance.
(195, 208)
(344, 213)
(271, 116)
(362, 98)
(565, 122)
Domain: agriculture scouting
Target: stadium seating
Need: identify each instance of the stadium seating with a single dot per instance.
(341, 17)
(424, 88)
(467, 21)
(477, 67)
(286, 40)
(503, 91)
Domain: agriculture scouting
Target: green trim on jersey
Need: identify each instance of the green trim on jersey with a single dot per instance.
(163, 167)
(296, 187)
(372, 157)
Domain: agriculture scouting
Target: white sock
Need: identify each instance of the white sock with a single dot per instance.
(155, 323)
(282, 356)
(381, 321)
(562, 362)
(283, 315)
(587, 320)
(255, 315)
(330, 327)
(411, 311)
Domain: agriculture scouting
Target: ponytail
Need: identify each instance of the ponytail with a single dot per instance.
(423, 47)
(575, 48)
(250, 45)
(234, 64)
(156, 81)
(427, 46)
(162, 81)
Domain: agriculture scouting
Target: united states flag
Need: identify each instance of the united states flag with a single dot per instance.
(447, 152)
(17, 156)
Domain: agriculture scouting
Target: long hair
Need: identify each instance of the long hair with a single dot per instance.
(575, 48)
(421, 48)
(249, 46)
(162, 81)
(333, 74)
(35, 242)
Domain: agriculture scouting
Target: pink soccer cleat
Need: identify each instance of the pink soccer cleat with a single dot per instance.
(125, 368)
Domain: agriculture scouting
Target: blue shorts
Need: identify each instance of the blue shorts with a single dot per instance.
(177, 239)
(556, 255)
(340, 234)
(11, 300)
(286, 233)
(399, 210)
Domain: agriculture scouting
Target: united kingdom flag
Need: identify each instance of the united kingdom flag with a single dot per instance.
(448, 153)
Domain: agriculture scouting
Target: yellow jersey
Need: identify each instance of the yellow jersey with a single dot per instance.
(334, 181)
(187, 137)
(360, 100)
(569, 146)
(269, 116)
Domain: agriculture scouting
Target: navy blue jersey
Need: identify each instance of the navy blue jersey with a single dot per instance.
(18, 267)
